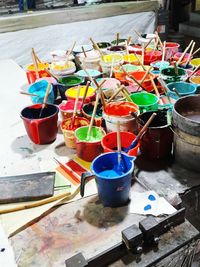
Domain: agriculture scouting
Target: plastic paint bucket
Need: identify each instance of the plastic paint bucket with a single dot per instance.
(67, 107)
(67, 82)
(156, 143)
(109, 61)
(31, 75)
(195, 79)
(113, 185)
(40, 88)
(88, 149)
(53, 82)
(87, 113)
(72, 92)
(91, 61)
(145, 101)
(62, 67)
(182, 88)
(109, 142)
(138, 75)
(152, 56)
(120, 112)
(68, 131)
(171, 49)
(109, 86)
(41, 130)
(168, 75)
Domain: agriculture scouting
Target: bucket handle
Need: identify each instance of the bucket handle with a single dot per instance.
(178, 136)
(85, 177)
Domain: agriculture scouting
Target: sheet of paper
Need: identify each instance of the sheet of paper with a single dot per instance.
(7, 258)
(149, 203)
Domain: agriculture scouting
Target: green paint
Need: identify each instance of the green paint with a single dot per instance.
(145, 101)
(71, 80)
(169, 74)
(95, 136)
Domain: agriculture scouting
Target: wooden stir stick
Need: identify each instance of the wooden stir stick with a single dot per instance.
(163, 52)
(93, 116)
(184, 52)
(75, 107)
(35, 64)
(190, 55)
(83, 51)
(97, 48)
(45, 99)
(69, 52)
(117, 38)
(85, 93)
(26, 93)
(115, 94)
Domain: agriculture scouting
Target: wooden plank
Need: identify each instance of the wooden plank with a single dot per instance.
(73, 14)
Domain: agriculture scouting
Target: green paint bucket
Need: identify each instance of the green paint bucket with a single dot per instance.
(145, 101)
(169, 75)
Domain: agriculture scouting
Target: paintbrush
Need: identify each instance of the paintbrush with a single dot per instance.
(51, 74)
(29, 94)
(111, 68)
(175, 68)
(184, 52)
(45, 99)
(85, 93)
(120, 165)
(35, 64)
(141, 132)
(165, 87)
(176, 92)
(190, 55)
(93, 116)
(140, 121)
(129, 40)
(75, 107)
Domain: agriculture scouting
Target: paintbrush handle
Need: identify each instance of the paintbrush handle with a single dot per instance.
(97, 48)
(76, 103)
(35, 64)
(85, 93)
(126, 95)
(119, 147)
(196, 51)
(46, 94)
(93, 115)
(154, 87)
(176, 92)
(117, 38)
(51, 74)
(185, 51)
(115, 94)
(83, 51)
(190, 54)
(144, 77)
(146, 125)
(163, 52)
(197, 67)
(29, 94)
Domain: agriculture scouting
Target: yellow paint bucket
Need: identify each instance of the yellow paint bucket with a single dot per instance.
(195, 62)
(72, 92)
(131, 58)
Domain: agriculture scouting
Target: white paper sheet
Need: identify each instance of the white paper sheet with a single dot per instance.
(150, 203)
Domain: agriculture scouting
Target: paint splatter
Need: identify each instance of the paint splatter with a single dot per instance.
(147, 207)
(151, 198)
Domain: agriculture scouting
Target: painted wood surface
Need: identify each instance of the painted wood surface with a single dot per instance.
(73, 14)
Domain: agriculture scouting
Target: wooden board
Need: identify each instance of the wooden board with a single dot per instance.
(26, 187)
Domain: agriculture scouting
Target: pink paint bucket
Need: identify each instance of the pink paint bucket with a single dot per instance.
(171, 50)
(67, 107)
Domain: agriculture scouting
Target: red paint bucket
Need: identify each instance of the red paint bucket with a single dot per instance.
(109, 142)
(31, 74)
(41, 130)
(91, 148)
(152, 56)
(171, 49)
(156, 143)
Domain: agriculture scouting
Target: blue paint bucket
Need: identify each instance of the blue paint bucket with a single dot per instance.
(113, 180)
(39, 88)
(183, 88)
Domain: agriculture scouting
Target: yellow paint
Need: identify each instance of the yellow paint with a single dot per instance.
(41, 66)
(195, 79)
(62, 65)
(72, 92)
(131, 58)
(195, 62)
(112, 58)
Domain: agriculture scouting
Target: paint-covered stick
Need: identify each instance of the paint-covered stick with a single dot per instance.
(26, 93)
(45, 99)
(144, 77)
(68, 53)
(137, 33)
(111, 68)
(197, 67)
(85, 93)
(51, 74)
(129, 40)
(97, 48)
(126, 95)
(140, 62)
(115, 94)
(36, 57)
(163, 52)
(93, 116)
(75, 106)
(165, 87)
(35, 64)
(143, 51)
(103, 102)
(146, 45)
(184, 52)
(83, 51)
(190, 54)
(119, 157)
(117, 38)
(89, 76)
(146, 125)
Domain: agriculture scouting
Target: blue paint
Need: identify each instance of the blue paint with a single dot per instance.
(39, 88)
(151, 197)
(147, 207)
(114, 173)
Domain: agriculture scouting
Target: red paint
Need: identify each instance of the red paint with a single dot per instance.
(43, 130)
(152, 56)
(72, 126)
(109, 142)
(120, 108)
(147, 84)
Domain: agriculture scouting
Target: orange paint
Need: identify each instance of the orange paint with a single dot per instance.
(120, 108)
